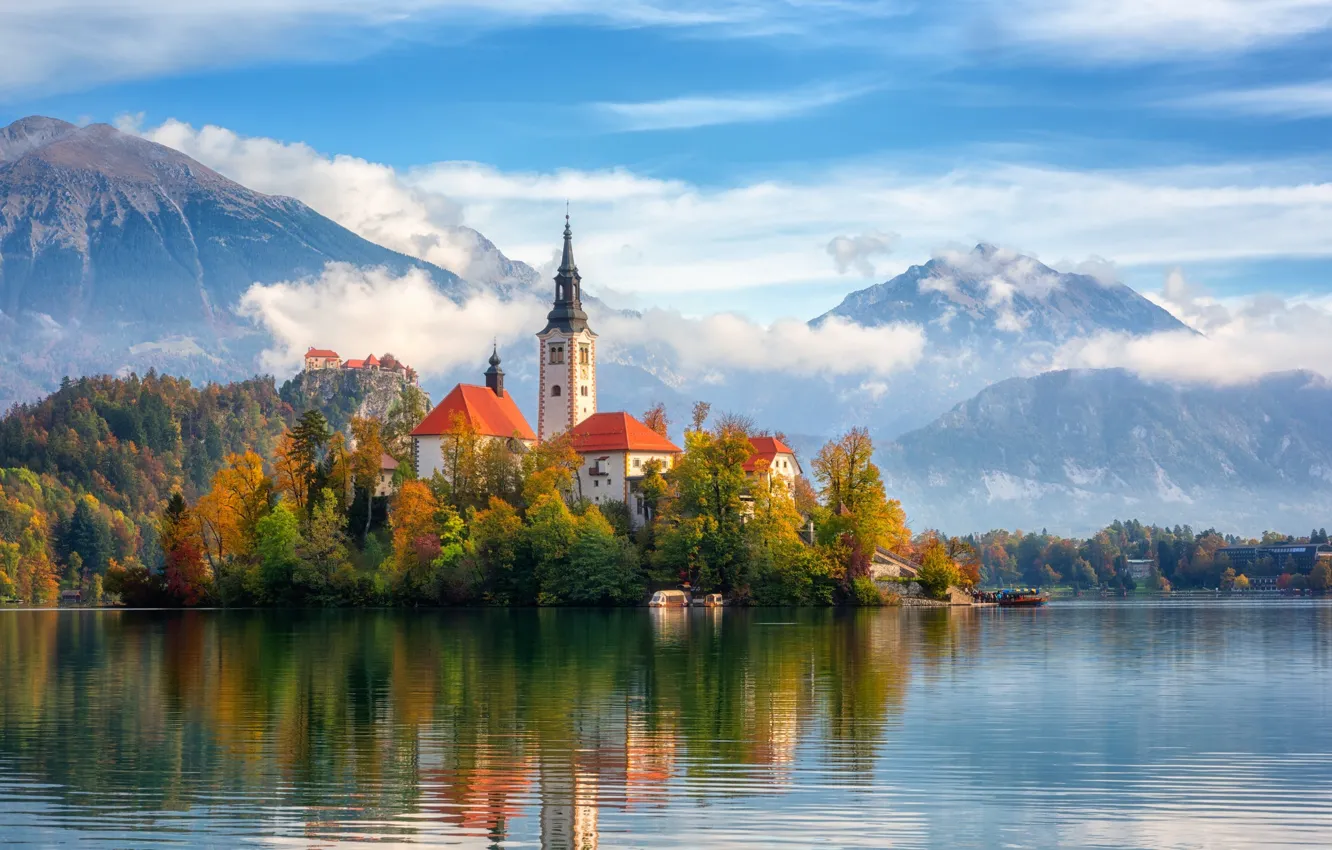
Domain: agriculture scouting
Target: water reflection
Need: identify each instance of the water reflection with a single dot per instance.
(1091, 725)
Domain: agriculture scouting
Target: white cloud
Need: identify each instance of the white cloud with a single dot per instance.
(1238, 341)
(66, 44)
(1300, 100)
(857, 252)
(790, 346)
(1154, 30)
(677, 243)
(357, 311)
(360, 311)
(368, 198)
(62, 44)
(710, 110)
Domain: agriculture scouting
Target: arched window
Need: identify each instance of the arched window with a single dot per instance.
(555, 390)
(582, 390)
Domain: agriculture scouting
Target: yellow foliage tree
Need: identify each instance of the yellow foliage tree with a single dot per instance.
(229, 513)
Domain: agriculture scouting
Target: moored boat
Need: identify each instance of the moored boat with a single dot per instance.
(1020, 599)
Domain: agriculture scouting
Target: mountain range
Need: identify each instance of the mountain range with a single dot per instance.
(1087, 446)
(120, 254)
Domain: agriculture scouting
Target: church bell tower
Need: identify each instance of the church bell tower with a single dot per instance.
(568, 352)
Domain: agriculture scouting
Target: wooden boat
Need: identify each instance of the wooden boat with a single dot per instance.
(1020, 599)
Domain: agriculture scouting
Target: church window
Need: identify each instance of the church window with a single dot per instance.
(556, 355)
(555, 390)
(584, 354)
(583, 390)
(638, 463)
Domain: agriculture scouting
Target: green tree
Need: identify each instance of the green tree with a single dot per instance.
(494, 543)
(277, 541)
(602, 568)
(89, 535)
(95, 594)
(322, 550)
(705, 537)
(1320, 577)
(938, 572)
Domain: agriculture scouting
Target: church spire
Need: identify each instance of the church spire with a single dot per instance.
(567, 266)
(568, 315)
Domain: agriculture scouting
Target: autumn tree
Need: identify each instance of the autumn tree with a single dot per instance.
(230, 512)
(551, 466)
(858, 505)
(656, 419)
(495, 546)
(187, 575)
(365, 462)
(938, 571)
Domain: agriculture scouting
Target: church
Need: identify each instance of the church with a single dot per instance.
(615, 447)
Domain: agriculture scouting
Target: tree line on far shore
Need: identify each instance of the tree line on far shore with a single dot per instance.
(151, 491)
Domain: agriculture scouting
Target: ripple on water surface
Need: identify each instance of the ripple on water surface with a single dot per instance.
(1126, 724)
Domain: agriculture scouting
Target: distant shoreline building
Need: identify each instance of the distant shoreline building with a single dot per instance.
(1283, 558)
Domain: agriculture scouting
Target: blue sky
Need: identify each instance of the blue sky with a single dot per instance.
(712, 148)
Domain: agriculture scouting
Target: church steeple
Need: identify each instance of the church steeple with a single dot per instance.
(568, 315)
(495, 375)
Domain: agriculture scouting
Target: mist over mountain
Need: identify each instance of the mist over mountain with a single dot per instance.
(1070, 450)
(119, 253)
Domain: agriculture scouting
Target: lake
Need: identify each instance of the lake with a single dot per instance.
(1164, 723)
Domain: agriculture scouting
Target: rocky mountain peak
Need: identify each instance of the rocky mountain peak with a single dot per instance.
(28, 133)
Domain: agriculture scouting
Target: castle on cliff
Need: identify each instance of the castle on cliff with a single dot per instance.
(320, 359)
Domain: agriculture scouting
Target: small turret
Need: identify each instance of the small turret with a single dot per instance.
(495, 375)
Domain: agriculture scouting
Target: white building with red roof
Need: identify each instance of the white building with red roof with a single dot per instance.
(489, 410)
(321, 358)
(616, 449)
(771, 456)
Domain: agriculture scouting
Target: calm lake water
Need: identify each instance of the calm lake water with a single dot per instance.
(1119, 724)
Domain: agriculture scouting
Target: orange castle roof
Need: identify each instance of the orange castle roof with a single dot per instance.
(618, 432)
(321, 352)
(489, 414)
(766, 448)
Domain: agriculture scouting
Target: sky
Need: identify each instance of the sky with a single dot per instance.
(741, 155)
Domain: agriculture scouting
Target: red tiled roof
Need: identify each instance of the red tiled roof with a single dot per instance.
(386, 462)
(490, 415)
(767, 448)
(320, 352)
(372, 360)
(617, 432)
(353, 364)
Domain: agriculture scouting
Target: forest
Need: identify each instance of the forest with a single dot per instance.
(150, 491)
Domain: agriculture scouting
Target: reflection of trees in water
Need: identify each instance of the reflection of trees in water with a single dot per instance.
(466, 717)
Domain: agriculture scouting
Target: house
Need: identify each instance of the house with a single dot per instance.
(71, 597)
(321, 358)
(488, 410)
(771, 456)
(616, 449)
(1139, 568)
(387, 467)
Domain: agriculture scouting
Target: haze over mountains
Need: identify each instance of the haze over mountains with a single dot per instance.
(117, 253)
